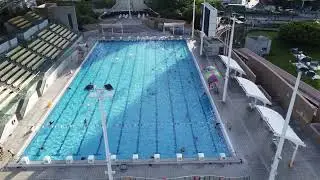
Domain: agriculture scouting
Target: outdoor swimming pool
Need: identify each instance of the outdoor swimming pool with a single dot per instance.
(159, 106)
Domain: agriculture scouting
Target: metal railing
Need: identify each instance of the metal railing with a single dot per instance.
(191, 177)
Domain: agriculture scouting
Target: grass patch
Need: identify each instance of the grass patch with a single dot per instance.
(280, 54)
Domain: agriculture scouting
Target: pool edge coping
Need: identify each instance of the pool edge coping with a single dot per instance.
(224, 132)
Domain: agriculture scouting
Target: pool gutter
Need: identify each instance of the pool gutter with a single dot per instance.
(224, 131)
(81, 163)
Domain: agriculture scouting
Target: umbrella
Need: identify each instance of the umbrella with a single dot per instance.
(211, 77)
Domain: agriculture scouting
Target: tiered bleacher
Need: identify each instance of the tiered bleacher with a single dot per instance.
(22, 22)
(21, 64)
(23, 67)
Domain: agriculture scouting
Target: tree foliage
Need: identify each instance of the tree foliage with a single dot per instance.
(301, 32)
(85, 14)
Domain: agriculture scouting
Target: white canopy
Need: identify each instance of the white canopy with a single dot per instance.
(233, 64)
(275, 122)
(252, 90)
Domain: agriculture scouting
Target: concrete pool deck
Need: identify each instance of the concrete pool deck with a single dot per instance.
(249, 135)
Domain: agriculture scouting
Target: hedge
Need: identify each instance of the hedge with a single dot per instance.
(301, 32)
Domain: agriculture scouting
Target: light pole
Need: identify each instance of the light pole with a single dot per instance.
(129, 8)
(224, 96)
(193, 17)
(202, 27)
(100, 94)
(302, 68)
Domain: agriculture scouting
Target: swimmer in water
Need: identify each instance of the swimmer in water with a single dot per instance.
(50, 123)
(85, 123)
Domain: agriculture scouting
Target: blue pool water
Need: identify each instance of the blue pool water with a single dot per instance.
(159, 106)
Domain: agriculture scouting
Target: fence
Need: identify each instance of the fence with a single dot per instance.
(192, 177)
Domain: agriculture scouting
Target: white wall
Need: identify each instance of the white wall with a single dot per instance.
(60, 69)
(4, 47)
(9, 128)
(14, 42)
(27, 35)
(32, 101)
(8, 45)
(43, 24)
(213, 23)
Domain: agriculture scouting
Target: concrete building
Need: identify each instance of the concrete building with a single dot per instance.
(260, 45)
(65, 15)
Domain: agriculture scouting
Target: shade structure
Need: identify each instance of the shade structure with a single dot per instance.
(233, 64)
(252, 90)
(275, 122)
(211, 77)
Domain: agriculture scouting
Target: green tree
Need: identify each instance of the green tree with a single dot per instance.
(301, 32)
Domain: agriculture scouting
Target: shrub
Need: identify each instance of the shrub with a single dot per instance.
(301, 32)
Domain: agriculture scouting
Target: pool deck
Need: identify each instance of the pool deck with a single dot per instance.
(249, 136)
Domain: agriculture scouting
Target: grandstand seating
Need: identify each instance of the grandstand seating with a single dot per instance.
(22, 64)
(20, 22)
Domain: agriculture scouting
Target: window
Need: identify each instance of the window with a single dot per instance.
(70, 21)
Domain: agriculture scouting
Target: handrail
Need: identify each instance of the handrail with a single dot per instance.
(193, 177)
